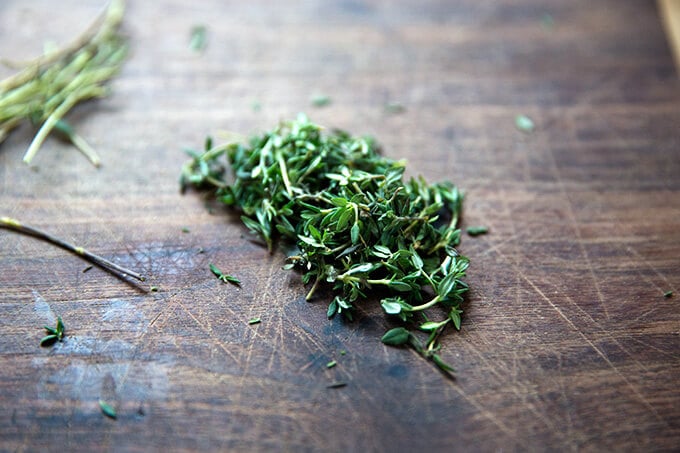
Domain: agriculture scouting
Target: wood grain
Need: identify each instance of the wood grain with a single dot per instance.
(567, 341)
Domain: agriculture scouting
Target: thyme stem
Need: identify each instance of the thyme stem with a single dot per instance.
(14, 225)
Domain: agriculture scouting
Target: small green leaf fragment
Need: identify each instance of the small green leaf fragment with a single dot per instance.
(199, 35)
(231, 279)
(215, 270)
(429, 326)
(321, 100)
(332, 309)
(107, 409)
(441, 364)
(255, 320)
(668, 294)
(50, 330)
(185, 230)
(48, 340)
(391, 306)
(331, 364)
(394, 107)
(354, 233)
(396, 336)
(476, 230)
(524, 124)
(343, 352)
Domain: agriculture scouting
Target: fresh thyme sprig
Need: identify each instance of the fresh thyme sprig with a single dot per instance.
(13, 224)
(359, 226)
(48, 87)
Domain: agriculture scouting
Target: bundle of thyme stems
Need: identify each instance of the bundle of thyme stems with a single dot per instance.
(360, 228)
(45, 89)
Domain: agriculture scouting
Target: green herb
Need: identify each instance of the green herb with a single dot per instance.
(394, 107)
(336, 385)
(226, 278)
(547, 21)
(343, 352)
(46, 89)
(14, 225)
(107, 409)
(185, 230)
(255, 321)
(154, 289)
(524, 123)
(477, 230)
(199, 38)
(331, 364)
(359, 227)
(321, 101)
(53, 333)
(668, 294)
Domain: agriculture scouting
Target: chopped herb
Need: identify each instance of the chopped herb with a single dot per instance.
(14, 225)
(394, 107)
(524, 123)
(226, 278)
(547, 21)
(185, 230)
(46, 88)
(331, 364)
(668, 294)
(107, 409)
(321, 101)
(336, 385)
(54, 334)
(476, 230)
(154, 289)
(254, 321)
(199, 38)
(343, 352)
(360, 228)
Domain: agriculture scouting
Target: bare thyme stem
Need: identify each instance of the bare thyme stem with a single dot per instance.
(13, 224)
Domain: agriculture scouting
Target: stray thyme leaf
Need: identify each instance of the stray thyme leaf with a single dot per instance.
(54, 333)
(476, 230)
(394, 107)
(226, 278)
(154, 289)
(255, 320)
(524, 124)
(46, 89)
(107, 409)
(185, 230)
(321, 101)
(331, 364)
(360, 228)
(668, 294)
(199, 38)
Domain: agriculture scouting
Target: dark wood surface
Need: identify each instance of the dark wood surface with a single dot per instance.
(567, 341)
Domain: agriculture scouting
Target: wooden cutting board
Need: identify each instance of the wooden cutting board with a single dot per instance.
(567, 342)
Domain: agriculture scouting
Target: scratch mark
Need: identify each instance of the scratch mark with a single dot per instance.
(577, 231)
(599, 352)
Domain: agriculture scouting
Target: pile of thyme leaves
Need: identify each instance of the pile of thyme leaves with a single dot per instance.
(359, 226)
